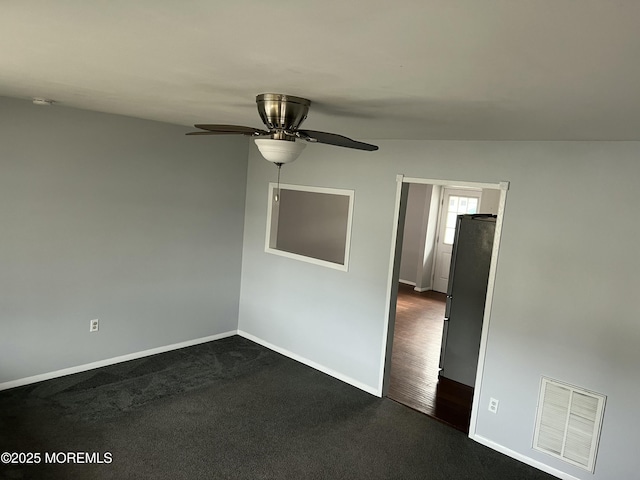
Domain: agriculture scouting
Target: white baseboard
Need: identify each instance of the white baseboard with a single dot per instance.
(111, 361)
(312, 364)
(422, 289)
(523, 458)
(413, 284)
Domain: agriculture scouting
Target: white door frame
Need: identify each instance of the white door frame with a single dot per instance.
(387, 341)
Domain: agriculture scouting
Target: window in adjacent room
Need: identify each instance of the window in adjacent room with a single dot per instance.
(458, 205)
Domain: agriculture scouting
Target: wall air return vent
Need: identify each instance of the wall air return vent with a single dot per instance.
(568, 423)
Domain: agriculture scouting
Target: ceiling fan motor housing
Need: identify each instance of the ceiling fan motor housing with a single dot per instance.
(282, 113)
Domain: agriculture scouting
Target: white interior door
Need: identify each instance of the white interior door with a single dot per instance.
(454, 202)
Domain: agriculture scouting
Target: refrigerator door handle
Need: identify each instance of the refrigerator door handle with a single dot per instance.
(447, 308)
(443, 345)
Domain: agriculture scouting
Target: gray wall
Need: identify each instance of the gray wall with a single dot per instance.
(567, 276)
(110, 217)
(489, 201)
(415, 231)
(325, 315)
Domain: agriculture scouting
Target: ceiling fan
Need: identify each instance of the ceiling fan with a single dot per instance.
(282, 141)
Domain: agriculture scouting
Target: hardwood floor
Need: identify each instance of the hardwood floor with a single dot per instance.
(414, 361)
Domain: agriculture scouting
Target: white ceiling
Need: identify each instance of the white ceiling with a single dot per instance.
(373, 69)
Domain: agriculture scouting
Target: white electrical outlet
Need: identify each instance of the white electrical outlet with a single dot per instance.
(493, 405)
(93, 325)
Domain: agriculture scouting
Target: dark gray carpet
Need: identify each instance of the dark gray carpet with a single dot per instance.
(232, 409)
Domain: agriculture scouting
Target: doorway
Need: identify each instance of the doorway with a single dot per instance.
(416, 317)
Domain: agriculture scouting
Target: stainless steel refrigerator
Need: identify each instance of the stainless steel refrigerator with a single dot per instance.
(466, 295)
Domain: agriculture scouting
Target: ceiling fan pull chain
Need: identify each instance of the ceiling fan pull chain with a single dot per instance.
(277, 196)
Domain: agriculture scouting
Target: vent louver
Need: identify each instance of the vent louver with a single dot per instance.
(568, 423)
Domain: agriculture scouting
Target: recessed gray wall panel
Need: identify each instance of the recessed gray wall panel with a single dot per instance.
(110, 217)
(313, 224)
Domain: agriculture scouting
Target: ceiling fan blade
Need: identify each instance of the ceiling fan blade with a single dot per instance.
(335, 139)
(231, 129)
(218, 133)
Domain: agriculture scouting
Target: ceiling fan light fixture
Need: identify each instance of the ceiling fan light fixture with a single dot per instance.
(279, 151)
